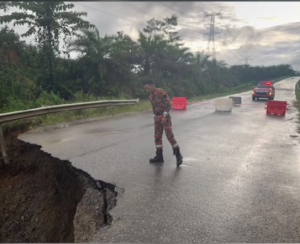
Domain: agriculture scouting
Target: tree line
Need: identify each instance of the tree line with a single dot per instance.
(108, 66)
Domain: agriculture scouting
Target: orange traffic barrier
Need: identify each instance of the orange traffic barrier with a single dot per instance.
(179, 103)
(276, 108)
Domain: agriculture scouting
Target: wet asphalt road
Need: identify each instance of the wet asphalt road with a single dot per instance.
(240, 181)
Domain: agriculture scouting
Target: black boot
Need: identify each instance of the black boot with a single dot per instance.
(178, 156)
(159, 156)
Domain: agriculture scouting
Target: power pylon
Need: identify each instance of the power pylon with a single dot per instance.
(246, 60)
(211, 49)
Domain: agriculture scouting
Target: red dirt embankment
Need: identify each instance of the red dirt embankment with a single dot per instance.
(45, 199)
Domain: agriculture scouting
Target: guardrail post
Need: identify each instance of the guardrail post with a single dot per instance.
(3, 146)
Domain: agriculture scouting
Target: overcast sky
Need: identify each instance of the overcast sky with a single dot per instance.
(265, 32)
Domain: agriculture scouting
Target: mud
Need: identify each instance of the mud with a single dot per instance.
(45, 199)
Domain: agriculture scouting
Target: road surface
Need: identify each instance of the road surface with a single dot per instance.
(240, 181)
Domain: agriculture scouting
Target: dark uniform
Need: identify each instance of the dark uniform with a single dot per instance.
(161, 106)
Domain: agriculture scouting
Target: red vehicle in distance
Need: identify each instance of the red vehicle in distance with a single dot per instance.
(264, 89)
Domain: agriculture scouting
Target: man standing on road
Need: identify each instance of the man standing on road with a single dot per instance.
(161, 106)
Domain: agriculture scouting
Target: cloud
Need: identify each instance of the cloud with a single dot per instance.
(268, 18)
(275, 45)
(278, 44)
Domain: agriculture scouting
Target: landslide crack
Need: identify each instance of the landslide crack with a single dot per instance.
(45, 199)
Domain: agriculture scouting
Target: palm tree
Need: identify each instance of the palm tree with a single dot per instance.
(105, 60)
(47, 21)
(94, 55)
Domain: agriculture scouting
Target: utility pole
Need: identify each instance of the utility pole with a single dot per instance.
(211, 49)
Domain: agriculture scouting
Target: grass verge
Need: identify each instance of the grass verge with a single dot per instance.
(297, 91)
(238, 89)
(100, 112)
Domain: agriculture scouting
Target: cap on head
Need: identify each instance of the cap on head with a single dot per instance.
(149, 86)
(149, 82)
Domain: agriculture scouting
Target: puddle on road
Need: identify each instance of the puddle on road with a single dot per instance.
(190, 159)
(294, 136)
(184, 165)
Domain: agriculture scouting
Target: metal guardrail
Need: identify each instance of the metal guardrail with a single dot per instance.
(8, 117)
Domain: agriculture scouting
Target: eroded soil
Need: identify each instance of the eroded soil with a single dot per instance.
(45, 199)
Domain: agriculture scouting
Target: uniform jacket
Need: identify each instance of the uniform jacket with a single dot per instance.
(160, 101)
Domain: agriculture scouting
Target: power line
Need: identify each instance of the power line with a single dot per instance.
(230, 33)
(180, 12)
(132, 21)
(94, 8)
(231, 52)
(123, 18)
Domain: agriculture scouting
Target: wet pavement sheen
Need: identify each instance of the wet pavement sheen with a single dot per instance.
(240, 180)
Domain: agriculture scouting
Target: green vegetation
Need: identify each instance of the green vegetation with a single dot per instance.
(297, 91)
(297, 102)
(107, 67)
